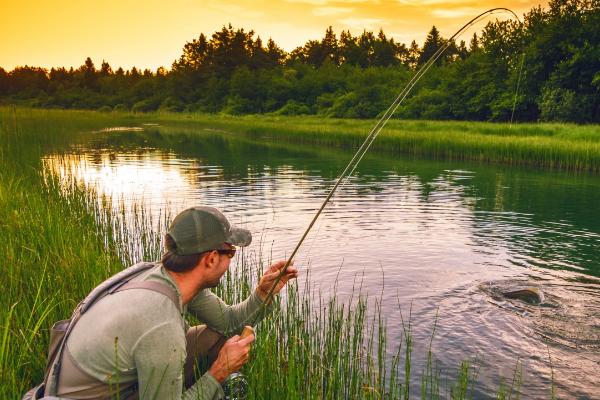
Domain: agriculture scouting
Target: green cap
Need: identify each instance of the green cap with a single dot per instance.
(199, 229)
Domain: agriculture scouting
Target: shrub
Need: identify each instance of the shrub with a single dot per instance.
(237, 105)
(145, 105)
(343, 106)
(558, 104)
(293, 107)
(171, 104)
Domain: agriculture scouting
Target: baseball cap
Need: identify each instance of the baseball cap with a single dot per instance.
(199, 229)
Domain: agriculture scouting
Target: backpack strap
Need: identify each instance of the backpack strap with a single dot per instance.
(155, 287)
(116, 280)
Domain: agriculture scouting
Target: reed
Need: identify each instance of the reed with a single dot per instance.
(61, 240)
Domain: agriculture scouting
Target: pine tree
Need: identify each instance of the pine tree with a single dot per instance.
(433, 42)
(105, 69)
(329, 47)
(89, 73)
(414, 52)
(474, 44)
(348, 49)
(275, 54)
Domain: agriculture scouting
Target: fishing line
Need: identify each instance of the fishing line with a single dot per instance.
(364, 147)
(512, 114)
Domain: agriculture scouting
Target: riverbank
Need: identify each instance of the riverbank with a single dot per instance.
(566, 147)
(554, 146)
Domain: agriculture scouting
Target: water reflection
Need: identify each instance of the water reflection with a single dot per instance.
(423, 234)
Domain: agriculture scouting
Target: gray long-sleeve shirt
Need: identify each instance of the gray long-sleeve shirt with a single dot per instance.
(139, 335)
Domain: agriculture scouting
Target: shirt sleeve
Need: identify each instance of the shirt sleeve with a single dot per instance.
(227, 319)
(159, 358)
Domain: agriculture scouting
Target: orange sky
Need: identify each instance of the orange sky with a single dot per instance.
(151, 33)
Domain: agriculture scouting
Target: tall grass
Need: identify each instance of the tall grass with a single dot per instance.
(61, 240)
(54, 246)
(556, 146)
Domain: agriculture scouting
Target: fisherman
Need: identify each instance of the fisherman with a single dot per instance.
(136, 343)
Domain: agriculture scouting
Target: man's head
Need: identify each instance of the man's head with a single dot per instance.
(202, 233)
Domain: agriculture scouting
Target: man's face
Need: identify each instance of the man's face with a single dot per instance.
(221, 265)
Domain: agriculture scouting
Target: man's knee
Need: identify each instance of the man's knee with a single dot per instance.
(203, 345)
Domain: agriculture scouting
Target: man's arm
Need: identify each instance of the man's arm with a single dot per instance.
(228, 319)
(222, 317)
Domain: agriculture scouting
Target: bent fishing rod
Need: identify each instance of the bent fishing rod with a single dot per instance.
(362, 150)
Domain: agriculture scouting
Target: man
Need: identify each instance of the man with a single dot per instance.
(136, 343)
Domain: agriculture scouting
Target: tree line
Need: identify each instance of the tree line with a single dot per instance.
(546, 69)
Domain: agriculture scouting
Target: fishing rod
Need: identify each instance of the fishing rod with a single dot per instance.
(362, 150)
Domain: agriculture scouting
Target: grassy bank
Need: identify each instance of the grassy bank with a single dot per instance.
(556, 146)
(60, 241)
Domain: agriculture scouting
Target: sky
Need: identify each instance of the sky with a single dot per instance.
(151, 33)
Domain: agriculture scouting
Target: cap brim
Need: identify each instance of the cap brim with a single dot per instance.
(239, 237)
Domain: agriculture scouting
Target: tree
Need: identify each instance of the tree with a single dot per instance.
(105, 69)
(134, 73)
(27, 81)
(365, 44)
(384, 51)
(313, 53)
(230, 49)
(414, 53)
(161, 72)
(433, 42)
(194, 54)
(3, 82)
(329, 47)
(348, 49)
(474, 43)
(275, 54)
(89, 74)
(462, 50)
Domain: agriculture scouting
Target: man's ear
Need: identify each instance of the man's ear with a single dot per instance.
(211, 259)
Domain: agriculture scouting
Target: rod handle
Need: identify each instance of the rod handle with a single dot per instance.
(248, 330)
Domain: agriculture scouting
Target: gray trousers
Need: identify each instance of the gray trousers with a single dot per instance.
(202, 344)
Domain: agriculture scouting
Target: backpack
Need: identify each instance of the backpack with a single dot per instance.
(60, 331)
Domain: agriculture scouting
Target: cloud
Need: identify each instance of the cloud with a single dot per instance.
(233, 9)
(459, 12)
(364, 23)
(327, 11)
(431, 2)
(325, 2)
(403, 37)
(313, 2)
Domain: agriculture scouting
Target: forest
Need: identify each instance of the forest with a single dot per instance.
(546, 68)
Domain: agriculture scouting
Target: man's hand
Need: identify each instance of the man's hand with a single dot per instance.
(232, 356)
(267, 280)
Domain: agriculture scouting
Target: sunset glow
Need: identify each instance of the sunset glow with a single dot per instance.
(150, 34)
